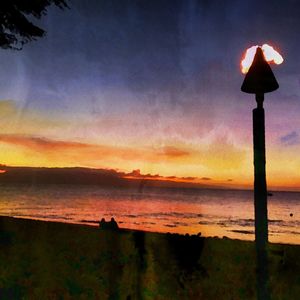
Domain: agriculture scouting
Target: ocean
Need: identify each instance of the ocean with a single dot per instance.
(210, 212)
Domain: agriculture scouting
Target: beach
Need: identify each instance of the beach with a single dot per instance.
(49, 260)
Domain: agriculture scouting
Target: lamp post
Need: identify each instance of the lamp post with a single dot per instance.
(260, 80)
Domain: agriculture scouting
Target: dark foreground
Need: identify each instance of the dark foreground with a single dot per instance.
(45, 260)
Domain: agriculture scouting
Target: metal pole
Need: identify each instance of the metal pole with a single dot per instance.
(260, 199)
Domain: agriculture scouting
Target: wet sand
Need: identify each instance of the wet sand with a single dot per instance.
(48, 260)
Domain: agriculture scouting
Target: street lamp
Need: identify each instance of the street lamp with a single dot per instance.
(260, 80)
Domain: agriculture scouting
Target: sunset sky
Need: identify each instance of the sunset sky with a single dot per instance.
(154, 86)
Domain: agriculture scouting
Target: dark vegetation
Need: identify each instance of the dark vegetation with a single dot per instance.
(46, 260)
(16, 21)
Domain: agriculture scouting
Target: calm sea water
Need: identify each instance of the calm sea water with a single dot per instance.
(211, 212)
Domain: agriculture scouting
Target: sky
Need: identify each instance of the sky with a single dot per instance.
(153, 86)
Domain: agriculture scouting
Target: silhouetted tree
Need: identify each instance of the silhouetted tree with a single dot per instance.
(16, 28)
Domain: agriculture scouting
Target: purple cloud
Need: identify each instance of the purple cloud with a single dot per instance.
(290, 139)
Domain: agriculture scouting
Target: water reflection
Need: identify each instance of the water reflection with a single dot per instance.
(211, 212)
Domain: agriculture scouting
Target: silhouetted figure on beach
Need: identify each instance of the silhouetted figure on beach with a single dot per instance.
(112, 224)
(102, 223)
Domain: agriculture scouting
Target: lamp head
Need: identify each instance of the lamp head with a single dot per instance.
(260, 78)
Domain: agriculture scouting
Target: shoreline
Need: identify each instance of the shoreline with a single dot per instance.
(52, 260)
(95, 224)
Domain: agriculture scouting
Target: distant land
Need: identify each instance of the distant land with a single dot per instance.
(87, 176)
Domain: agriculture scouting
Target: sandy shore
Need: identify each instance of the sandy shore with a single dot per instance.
(47, 260)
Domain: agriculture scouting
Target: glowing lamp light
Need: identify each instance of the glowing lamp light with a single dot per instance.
(270, 54)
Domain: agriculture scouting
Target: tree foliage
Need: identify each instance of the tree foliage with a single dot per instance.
(16, 27)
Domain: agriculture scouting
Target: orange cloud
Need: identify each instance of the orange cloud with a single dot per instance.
(136, 174)
(205, 178)
(219, 159)
(76, 153)
(171, 151)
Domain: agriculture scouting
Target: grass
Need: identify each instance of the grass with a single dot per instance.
(47, 260)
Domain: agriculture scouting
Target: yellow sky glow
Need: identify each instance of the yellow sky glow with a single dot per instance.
(219, 157)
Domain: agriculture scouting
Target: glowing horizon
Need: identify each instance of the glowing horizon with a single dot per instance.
(227, 167)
